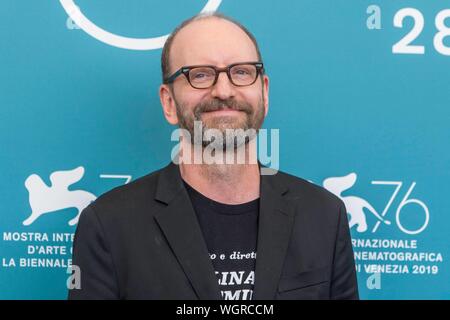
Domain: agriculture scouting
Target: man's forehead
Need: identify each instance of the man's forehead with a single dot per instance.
(211, 40)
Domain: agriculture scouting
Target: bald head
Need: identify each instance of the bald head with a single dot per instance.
(208, 39)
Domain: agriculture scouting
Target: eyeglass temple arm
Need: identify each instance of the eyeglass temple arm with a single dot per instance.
(171, 78)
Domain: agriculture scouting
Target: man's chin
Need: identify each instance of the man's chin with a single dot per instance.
(223, 127)
(223, 122)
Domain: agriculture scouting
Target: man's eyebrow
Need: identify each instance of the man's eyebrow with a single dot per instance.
(207, 62)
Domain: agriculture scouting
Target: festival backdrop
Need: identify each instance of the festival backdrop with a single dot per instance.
(359, 91)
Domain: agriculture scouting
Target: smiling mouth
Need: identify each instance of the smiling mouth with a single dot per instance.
(223, 111)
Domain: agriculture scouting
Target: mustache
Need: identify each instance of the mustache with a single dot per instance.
(218, 104)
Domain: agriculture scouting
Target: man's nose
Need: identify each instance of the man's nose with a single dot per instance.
(223, 89)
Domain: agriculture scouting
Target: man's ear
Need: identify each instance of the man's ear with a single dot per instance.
(266, 94)
(168, 104)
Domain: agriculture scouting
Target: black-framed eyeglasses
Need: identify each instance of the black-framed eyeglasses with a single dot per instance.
(205, 76)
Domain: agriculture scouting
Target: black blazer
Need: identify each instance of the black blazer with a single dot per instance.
(143, 241)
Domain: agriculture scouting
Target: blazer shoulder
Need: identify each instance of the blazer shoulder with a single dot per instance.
(299, 187)
(130, 195)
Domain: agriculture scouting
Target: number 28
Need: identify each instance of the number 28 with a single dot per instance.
(405, 46)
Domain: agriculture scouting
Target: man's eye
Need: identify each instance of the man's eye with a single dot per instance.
(242, 72)
(199, 75)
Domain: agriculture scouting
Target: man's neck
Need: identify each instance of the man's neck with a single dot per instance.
(225, 183)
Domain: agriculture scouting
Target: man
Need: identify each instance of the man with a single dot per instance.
(211, 229)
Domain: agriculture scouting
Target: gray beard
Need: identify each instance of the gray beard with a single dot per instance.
(231, 136)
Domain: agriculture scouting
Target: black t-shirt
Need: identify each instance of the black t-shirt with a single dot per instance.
(230, 233)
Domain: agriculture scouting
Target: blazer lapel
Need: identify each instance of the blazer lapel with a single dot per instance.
(179, 224)
(276, 217)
